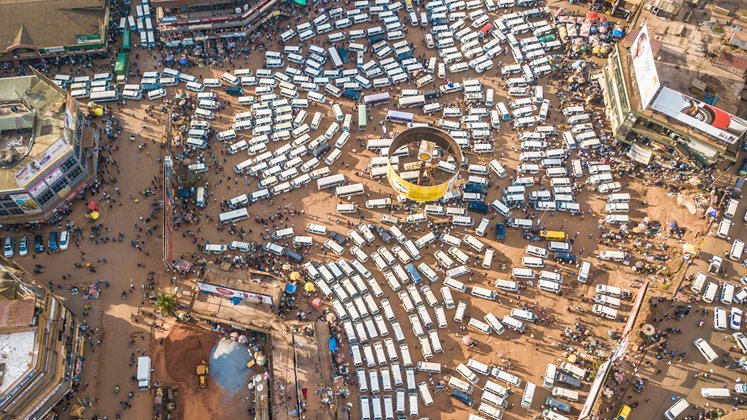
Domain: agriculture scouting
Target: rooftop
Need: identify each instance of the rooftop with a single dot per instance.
(684, 59)
(32, 118)
(16, 354)
(45, 24)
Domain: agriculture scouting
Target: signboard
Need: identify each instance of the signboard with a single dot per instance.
(27, 204)
(37, 165)
(88, 39)
(644, 67)
(700, 115)
(232, 293)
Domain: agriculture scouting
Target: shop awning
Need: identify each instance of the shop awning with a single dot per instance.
(640, 154)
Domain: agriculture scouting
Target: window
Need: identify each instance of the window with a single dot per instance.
(45, 197)
(60, 185)
(74, 174)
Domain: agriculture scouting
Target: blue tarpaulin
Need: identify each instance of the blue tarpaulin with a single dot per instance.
(333, 344)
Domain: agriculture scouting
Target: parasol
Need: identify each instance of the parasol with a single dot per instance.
(309, 287)
(592, 15)
(91, 205)
(95, 215)
(572, 358)
(183, 61)
(316, 303)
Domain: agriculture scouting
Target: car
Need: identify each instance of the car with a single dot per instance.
(52, 243)
(38, 244)
(64, 240)
(500, 231)
(740, 388)
(9, 245)
(715, 264)
(23, 247)
(383, 234)
(429, 41)
(735, 319)
(340, 239)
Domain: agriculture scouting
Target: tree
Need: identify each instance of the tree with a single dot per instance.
(165, 304)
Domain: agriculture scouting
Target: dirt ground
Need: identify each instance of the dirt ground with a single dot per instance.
(184, 347)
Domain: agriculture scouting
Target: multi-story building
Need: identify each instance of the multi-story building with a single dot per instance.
(47, 148)
(52, 28)
(187, 22)
(661, 94)
(41, 346)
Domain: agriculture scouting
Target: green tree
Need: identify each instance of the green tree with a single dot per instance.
(165, 304)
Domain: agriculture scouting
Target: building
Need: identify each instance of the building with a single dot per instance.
(47, 149)
(190, 21)
(664, 100)
(52, 28)
(41, 346)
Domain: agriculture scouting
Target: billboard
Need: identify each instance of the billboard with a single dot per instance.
(27, 204)
(644, 67)
(700, 115)
(233, 293)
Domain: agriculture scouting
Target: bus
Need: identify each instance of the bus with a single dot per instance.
(362, 118)
(122, 65)
(105, 96)
(336, 60)
(376, 99)
(234, 216)
(399, 117)
(126, 41)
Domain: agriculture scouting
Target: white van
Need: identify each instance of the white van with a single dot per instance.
(676, 409)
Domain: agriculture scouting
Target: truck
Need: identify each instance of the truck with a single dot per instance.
(143, 373)
(202, 373)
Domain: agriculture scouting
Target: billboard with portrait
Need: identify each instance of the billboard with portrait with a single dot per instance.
(700, 115)
(644, 67)
(233, 293)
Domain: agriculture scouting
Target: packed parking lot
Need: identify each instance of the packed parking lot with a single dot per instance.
(474, 295)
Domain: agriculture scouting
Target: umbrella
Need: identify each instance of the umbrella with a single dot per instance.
(95, 215)
(170, 58)
(713, 212)
(309, 287)
(183, 61)
(290, 288)
(316, 303)
(92, 206)
(572, 358)
(295, 276)
(591, 15)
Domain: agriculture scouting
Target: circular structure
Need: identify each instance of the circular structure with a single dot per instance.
(424, 135)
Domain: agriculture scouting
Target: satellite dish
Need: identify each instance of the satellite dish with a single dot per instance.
(237, 10)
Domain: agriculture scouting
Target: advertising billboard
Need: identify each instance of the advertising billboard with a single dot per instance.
(233, 293)
(27, 204)
(644, 67)
(700, 115)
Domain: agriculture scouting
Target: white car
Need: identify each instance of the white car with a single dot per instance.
(23, 247)
(735, 319)
(64, 240)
